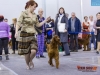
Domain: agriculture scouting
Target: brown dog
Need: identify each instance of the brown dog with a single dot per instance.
(53, 51)
(85, 42)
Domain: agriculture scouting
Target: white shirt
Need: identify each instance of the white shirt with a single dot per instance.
(91, 26)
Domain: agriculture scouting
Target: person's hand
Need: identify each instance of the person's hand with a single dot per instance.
(16, 35)
(65, 30)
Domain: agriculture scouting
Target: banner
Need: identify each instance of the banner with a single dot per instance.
(95, 2)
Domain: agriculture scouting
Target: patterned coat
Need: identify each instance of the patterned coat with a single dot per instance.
(27, 23)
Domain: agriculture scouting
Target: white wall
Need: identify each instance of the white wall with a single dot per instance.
(71, 6)
(88, 9)
(51, 8)
(12, 8)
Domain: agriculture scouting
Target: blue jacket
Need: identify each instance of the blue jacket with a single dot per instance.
(77, 26)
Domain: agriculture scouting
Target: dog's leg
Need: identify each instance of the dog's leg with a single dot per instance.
(84, 47)
(88, 49)
(57, 61)
(50, 61)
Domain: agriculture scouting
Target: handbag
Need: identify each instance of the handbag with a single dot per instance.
(39, 31)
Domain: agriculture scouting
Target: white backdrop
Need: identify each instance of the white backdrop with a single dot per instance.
(88, 9)
(71, 6)
(12, 8)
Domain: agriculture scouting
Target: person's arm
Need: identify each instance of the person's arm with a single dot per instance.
(49, 28)
(94, 26)
(42, 23)
(79, 26)
(66, 25)
(19, 22)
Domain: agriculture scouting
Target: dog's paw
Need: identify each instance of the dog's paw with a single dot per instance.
(57, 67)
(52, 65)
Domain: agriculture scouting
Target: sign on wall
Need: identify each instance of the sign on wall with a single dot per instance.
(95, 2)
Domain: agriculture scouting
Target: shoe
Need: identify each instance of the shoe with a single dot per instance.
(67, 54)
(75, 50)
(37, 57)
(71, 51)
(42, 56)
(13, 52)
(95, 48)
(7, 57)
(0, 58)
(97, 52)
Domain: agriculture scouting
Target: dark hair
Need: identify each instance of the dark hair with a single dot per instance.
(1, 18)
(49, 20)
(85, 17)
(97, 13)
(52, 20)
(63, 10)
(31, 2)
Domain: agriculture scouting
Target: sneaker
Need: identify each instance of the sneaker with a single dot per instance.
(0, 58)
(42, 56)
(7, 57)
(37, 57)
(97, 52)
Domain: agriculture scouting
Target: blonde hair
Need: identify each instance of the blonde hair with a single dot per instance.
(14, 19)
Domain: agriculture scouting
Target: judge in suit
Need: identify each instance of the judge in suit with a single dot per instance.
(61, 18)
(12, 30)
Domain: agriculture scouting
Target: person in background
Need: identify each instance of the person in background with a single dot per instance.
(62, 19)
(6, 20)
(74, 29)
(4, 37)
(40, 37)
(97, 31)
(49, 29)
(86, 27)
(12, 30)
(92, 30)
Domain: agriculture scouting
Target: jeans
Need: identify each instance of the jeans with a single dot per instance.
(92, 38)
(4, 44)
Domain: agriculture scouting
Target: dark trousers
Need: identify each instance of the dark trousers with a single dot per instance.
(14, 44)
(4, 45)
(74, 42)
(96, 41)
(65, 47)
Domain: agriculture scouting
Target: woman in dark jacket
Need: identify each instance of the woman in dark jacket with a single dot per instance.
(12, 30)
(61, 18)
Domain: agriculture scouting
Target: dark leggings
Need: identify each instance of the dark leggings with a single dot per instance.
(4, 45)
(14, 44)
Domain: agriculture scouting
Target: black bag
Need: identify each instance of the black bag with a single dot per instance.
(39, 31)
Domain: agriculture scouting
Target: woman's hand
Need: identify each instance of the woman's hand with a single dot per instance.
(65, 30)
(16, 35)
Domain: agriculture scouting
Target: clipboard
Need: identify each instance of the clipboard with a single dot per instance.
(61, 27)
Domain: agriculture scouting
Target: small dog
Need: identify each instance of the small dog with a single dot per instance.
(85, 42)
(52, 50)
